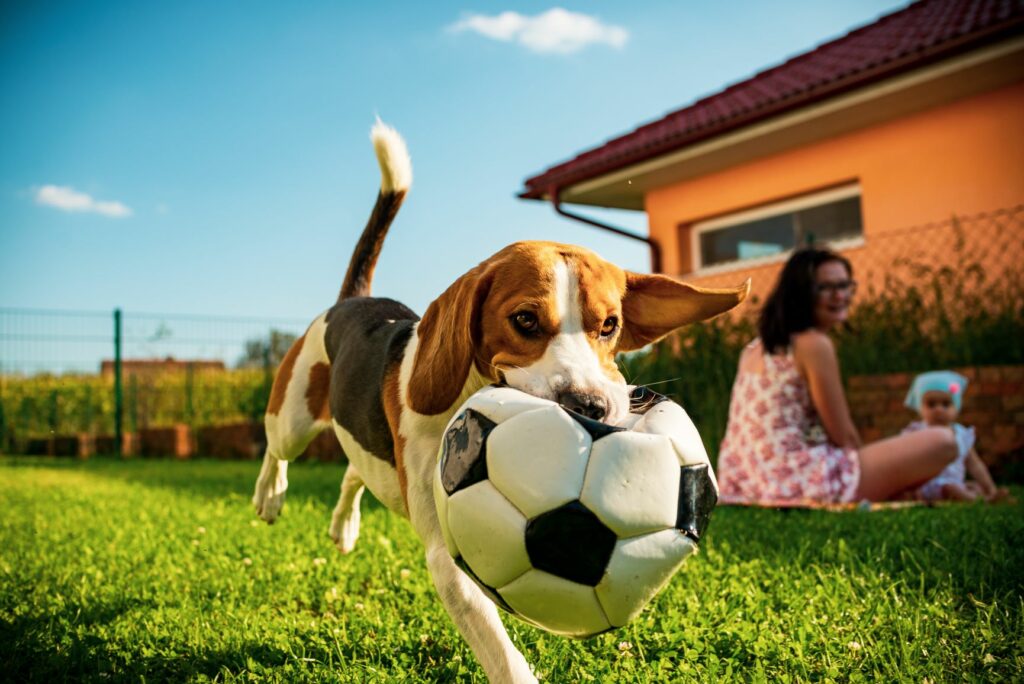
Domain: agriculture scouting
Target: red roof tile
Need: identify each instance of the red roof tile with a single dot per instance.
(925, 32)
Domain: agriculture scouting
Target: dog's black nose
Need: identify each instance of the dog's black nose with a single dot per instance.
(590, 405)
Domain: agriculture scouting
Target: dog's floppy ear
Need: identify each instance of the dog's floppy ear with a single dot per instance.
(655, 305)
(447, 334)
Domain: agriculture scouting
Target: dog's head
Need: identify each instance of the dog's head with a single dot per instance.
(548, 319)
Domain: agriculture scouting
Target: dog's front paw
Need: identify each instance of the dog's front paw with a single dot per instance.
(270, 489)
(345, 530)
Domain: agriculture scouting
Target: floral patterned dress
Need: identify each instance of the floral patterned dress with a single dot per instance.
(775, 449)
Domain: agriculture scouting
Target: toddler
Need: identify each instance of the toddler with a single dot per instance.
(936, 396)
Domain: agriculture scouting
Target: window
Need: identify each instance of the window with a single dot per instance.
(765, 232)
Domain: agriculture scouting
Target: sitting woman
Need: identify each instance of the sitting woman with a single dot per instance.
(790, 437)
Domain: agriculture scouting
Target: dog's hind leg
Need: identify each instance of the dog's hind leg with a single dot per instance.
(297, 411)
(345, 520)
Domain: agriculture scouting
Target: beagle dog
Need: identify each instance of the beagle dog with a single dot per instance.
(542, 317)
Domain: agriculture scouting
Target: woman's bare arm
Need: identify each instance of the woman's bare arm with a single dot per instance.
(816, 359)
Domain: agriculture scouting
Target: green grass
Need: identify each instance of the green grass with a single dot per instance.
(157, 571)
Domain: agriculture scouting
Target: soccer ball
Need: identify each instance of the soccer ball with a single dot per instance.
(570, 524)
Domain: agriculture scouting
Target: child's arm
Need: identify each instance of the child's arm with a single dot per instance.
(979, 471)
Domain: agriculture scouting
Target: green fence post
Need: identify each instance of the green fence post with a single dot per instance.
(190, 371)
(133, 400)
(118, 388)
(268, 378)
(54, 412)
(5, 446)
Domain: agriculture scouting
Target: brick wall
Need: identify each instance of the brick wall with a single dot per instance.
(993, 405)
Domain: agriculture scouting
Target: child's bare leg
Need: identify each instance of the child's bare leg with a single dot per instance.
(1000, 494)
(958, 492)
(974, 488)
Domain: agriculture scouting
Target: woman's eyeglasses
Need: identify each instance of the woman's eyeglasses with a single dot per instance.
(846, 287)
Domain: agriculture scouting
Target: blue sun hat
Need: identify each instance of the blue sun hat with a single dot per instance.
(949, 382)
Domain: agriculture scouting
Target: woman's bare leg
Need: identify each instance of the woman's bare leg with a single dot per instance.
(892, 465)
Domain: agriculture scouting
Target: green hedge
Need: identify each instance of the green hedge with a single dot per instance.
(46, 404)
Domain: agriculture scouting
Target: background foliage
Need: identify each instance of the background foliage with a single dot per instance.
(925, 318)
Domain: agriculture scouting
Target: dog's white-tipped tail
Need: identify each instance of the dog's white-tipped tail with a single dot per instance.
(393, 157)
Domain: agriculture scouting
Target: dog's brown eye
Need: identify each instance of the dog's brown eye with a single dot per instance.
(525, 322)
(610, 325)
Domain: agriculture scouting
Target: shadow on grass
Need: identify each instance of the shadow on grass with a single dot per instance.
(203, 478)
(28, 652)
(88, 646)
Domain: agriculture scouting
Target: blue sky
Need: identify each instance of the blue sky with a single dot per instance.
(218, 153)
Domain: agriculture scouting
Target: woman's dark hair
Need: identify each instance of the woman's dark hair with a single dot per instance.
(790, 306)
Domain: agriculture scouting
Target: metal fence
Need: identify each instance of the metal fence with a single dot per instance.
(109, 374)
(970, 253)
(949, 293)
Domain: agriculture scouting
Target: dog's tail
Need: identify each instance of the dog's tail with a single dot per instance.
(395, 179)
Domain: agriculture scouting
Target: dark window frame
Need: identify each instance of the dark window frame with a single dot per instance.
(764, 216)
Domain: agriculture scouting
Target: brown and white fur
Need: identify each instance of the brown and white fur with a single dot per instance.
(542, 317)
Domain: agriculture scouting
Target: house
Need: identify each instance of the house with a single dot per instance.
(891, 142)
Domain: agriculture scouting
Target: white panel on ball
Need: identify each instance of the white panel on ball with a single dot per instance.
(638, 570)
(537, 459)
(489, 533)
(556, 604)
(669, 418)
(632, 483)
(501, 403)
(441, 503)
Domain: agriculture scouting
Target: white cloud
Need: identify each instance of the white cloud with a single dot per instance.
(554, 31)
(68, 199)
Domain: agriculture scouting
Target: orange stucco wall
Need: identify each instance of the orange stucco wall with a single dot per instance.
(963, 158)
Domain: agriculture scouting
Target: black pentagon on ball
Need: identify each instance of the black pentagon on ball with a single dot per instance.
(464, 452)
(697, 498)
(491, 592)
(596, 429)
(570, 542)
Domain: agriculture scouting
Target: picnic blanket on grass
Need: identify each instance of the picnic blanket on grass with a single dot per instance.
(810, 504)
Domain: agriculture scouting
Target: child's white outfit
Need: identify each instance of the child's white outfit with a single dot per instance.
(955, 472)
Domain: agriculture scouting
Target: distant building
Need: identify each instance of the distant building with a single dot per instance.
(147, 368)
(871, 143)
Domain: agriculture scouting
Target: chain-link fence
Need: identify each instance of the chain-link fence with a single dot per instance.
(944, 294)
(108, 375)
(968, 254)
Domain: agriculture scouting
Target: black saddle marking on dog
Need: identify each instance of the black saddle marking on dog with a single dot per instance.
(365, 337)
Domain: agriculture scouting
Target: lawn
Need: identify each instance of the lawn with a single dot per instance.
(158, 571)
